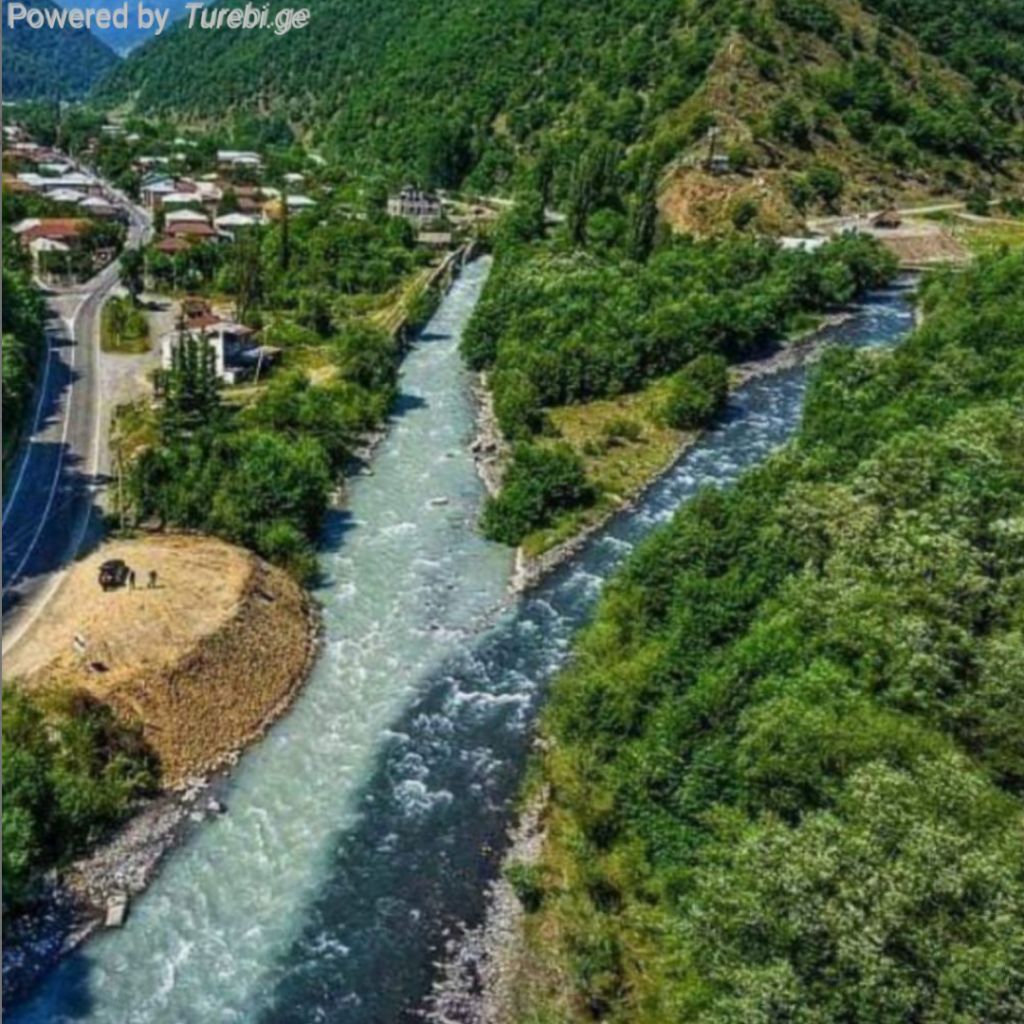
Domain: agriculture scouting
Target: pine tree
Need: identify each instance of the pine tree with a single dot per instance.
(594, 183)
(286, 251)
(191, 398)
(644, 216)
(248, 273)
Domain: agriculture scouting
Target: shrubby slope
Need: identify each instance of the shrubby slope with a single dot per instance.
(787, 768)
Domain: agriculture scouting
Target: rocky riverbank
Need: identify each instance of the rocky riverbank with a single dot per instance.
(490, 450)
(478, 983)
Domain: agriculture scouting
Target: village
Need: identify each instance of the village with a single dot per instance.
(75, 225)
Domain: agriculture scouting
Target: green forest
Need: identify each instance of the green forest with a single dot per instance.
(461, 92)
(786, 766)
(51, 64)
(24, 341)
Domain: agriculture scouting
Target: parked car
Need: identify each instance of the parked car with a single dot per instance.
(113, 574)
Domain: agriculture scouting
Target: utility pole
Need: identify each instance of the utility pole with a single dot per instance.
(712, 136)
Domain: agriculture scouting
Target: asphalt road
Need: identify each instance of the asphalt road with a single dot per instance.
(51, 502)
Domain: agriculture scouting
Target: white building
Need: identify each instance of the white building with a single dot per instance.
(234, 347)
(181, 199)
(799, 244)
(415, 205)
(67, 195)
(185, 217)
(85, 183)
(230, 223)
(238, 158)
(153, 193)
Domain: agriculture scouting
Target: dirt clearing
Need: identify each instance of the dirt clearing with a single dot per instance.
(205, 660)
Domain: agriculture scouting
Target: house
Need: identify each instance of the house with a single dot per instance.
(75, 180)
(32, 180)
(67, 195)
(231, 158)
(438, 240)
(153, 193)
(193, 231)
(181, 198)
(171, 246)
(230, 223)
(414, 204)
(94, 206)
(41, 247)
(801, 244)
(67, 230)
(237, 355)
(197, 313)
(44, 237)
(185, 217)
(208, 191)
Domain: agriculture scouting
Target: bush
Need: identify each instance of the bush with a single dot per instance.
(697, 393)
(517, 404)
(622, 429)
(526, 881)
(979, 201)
(540, 483)
(70, 771)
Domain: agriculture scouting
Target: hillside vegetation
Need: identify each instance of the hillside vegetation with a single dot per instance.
(786, 769)
(460, 91)
(51, 63)
(24, 340)
(610, 306)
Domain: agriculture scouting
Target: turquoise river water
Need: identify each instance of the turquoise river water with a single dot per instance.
(362, 831)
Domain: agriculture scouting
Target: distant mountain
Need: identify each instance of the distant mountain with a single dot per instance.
(122, 41)
(891, 92)
(47, 63)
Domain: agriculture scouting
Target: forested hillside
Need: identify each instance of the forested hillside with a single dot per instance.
(50, 63)
(456, 90)
(786, 768)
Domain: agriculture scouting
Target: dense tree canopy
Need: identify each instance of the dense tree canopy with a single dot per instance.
(51, 64)
(24, 341)
(558, 325)
(787, 766)
(70, 770)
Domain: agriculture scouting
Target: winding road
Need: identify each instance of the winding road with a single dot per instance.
(51, 496)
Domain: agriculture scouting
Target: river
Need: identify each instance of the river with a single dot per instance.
(362, 831)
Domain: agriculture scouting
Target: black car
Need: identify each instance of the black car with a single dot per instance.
(113, 574)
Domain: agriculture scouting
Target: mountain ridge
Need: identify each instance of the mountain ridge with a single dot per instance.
(463, 92)
(51, 63)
